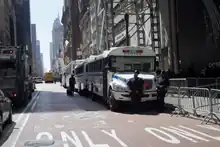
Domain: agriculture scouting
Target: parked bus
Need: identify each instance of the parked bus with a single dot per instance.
(49, 78)
(120, 63)
(66, 74)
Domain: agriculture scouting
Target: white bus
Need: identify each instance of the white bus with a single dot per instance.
(68, 71)
(81, 76)
(120, 63)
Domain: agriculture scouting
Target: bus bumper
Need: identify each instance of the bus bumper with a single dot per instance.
(125, 96)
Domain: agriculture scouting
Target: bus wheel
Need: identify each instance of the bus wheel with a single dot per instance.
(113, 104)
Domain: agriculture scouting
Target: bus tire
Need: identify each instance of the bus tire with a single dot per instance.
(113, 104)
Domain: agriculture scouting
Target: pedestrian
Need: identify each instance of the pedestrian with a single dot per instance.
(72, 83)
(162, 85)
(136, 86)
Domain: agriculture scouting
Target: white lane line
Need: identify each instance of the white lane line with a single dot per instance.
(24, 123)
(26, 108)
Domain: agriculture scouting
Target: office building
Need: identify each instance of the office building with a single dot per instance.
(38, 59)
(85, 29)
(34, 50)
(51, 54)
(57, 47)
(72, 35)
(42, 64)
(7, 23)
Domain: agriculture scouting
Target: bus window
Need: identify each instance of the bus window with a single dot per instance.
(127, 67)
(137, 67)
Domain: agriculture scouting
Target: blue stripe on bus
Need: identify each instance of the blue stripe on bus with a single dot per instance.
(119, 78)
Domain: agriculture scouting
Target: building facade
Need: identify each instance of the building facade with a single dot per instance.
(34, 50)
(57, 46)
(57, 37)
(42, 64)
(93, 4)
(67, 41)
(72, 35)
(23, 24)
(85, 29)
(51, 54)
(7, 23)
(38, 59)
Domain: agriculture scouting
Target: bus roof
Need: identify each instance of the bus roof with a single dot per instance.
(75, 62)
(80, 64)
(124, 51)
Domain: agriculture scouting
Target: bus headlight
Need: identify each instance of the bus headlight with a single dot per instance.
(117, 87)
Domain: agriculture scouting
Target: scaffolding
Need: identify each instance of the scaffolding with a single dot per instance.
(144, 22)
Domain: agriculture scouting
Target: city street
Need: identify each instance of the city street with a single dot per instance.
(80, 122)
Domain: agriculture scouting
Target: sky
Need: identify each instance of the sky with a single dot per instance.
(43, 14)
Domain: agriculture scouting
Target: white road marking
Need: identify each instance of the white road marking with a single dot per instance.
(24, 123)
(100, 124)
(75, 140)
(91, 144)
(41, 134)
(209, 127)
(169, 138)
(131, 121)
(58, 126)
(184, 134)
(26, 108)
(195, 131)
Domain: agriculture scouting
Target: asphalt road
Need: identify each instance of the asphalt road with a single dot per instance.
(79, 122)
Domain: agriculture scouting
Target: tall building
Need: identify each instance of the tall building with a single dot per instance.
(85, 29)
(38, 58)
(57, 47)
(51, 54)
(75, 31)
(72, 35)
(67, 41)
(23, 24)
(7, 23)
(42, 64)
(57, 37)
(34, 50)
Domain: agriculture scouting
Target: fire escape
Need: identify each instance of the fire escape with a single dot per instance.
(214, 17)
(144, 12)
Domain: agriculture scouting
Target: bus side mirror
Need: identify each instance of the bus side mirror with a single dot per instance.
(106, 68)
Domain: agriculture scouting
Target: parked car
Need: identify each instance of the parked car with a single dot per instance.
(38, 80)
(5, 110)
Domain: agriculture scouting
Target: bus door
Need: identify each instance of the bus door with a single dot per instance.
(105, 66)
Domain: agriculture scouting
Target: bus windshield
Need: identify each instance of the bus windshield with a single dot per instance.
(7, 68)
(129, 63)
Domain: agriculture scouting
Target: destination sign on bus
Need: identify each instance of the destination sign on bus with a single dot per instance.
(132, 51)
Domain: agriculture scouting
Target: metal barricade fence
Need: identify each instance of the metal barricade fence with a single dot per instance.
(215, 97)
(198, 101)
(196, 82)
(178, 82)
(172, 96)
